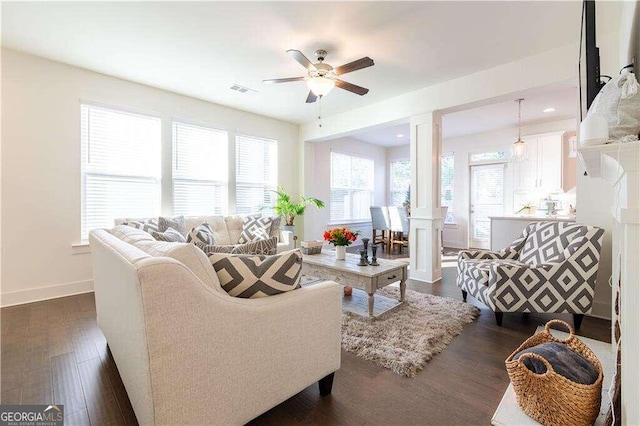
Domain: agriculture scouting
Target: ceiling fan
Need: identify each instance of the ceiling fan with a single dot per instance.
(323, 77)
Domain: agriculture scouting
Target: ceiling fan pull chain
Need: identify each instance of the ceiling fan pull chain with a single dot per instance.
(319, 111)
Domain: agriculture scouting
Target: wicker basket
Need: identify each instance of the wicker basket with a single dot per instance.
(550, 398)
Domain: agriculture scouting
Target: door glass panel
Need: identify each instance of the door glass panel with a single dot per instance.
(487, 199)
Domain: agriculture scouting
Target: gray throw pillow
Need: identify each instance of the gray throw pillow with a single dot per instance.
(266, 247)
(148, 225)
(170, 236)
(565, 361)
(176, 223)
(274, 231)
(202, 234)
(251, 277)
(255, 228)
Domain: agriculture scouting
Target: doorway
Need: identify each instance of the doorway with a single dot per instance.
(486, 199)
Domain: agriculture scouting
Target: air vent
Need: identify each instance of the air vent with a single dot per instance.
(243, 89)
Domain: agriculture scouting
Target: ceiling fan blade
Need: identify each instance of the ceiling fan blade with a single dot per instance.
(282, 80)
(354, 66)
(311, 98)
(351, 87)
(301, 59)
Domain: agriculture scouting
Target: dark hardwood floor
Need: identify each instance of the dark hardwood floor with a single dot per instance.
(54, 352)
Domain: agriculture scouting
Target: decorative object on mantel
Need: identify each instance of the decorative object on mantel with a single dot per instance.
(311, 247)
(405, 340)
(519, 147)
(618, 104)
(341, 238)
(549, 397)
(289, 210)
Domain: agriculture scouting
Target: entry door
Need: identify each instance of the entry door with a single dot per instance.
(486, 199)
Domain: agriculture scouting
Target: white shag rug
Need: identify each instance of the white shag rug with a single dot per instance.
(405, 339)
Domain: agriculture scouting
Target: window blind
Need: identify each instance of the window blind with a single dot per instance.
(120, 166)
(446, 182)
(200, 170)
(256, 174)
(351, 187)
(400, 181)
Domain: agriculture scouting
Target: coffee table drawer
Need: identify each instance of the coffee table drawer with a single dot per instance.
(389, 278)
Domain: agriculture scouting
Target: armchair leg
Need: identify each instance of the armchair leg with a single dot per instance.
(325, 384)
(499, 318)
(464, 295)
(577, 321)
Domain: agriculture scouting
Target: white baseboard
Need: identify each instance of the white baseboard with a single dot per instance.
(44, 293)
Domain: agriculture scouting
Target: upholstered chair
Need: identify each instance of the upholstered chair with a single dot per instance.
(551, 268)
(380, 222)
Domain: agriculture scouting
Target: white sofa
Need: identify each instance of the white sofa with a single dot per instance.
(187, 352)
(227, 229)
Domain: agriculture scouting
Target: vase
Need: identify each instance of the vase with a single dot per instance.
(341, 252)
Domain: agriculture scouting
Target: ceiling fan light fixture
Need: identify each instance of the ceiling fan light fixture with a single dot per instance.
(320, 86)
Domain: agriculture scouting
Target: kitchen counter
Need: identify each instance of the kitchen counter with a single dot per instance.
(506, 229)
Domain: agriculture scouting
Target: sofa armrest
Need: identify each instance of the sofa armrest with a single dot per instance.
(286, 237)
(242, 356)
(484, 254)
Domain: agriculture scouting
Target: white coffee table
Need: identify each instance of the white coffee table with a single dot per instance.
(347, 272)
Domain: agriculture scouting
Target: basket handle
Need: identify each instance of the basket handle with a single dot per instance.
(568, 326)
(539, 358)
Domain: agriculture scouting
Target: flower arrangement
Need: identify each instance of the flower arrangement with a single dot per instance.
(341, 236)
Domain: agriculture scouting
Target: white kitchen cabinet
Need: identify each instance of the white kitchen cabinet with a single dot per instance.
(543, 169)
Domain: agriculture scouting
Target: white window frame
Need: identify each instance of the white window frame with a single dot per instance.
(391, 190)
(85, 164)
(350, 190)
(222, 184)
(270, 186)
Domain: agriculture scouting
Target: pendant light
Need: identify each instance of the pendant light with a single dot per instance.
(519, 147)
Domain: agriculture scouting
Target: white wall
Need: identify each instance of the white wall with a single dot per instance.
(319, 220)
(457, 235)
(41, 165)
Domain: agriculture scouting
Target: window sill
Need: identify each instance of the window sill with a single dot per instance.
(80, 248)
(350, 222)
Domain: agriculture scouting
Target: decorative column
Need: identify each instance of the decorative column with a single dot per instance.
(426, 216)
(619, 164)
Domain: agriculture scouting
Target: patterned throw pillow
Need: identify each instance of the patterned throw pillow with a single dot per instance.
(147, 225)
(255, 228)
(274, 231)
(176, 223)
(170, 236)
(202, 234)
(266, 247)
(251, 277)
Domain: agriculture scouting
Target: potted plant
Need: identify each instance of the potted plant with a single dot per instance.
(528, 208)
(341, 238)
(289, 210)
(407, 201)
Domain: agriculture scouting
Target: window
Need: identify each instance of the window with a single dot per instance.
(446, 182)
(120, 166)
(256, 174)
(200, 170)
(488, 156)
(351, 187)
(400, 181)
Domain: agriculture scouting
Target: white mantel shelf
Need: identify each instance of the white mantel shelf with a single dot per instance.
(628, 153)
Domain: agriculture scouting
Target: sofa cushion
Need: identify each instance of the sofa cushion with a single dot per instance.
(234, 227)
(176, 223)
(249, 276)
(147, 225)
(255, 228)
(187, 254)
(130, 234)
(202, 234)
(170, 235)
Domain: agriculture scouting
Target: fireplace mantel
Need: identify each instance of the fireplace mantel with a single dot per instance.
(619, 164)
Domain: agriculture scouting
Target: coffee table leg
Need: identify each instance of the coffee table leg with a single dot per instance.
(403, 288)
(370, 304)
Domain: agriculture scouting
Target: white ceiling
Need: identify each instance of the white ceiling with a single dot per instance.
(201, 48)
(501, 115)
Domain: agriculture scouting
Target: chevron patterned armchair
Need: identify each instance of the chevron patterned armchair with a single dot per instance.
(551, 268)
